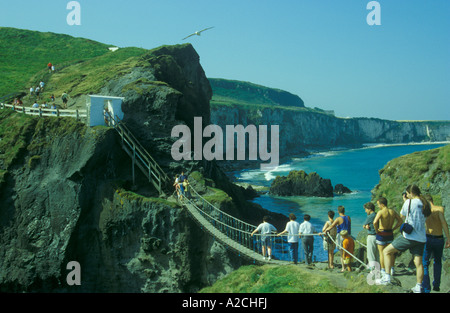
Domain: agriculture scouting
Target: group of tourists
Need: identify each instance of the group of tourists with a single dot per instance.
(422, 225)
(38, 90)
(181, 185)
(335, 232)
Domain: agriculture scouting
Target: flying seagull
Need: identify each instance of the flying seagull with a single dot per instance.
(197, 33)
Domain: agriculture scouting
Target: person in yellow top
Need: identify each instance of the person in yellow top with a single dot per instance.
(435, 226)
(349, 246)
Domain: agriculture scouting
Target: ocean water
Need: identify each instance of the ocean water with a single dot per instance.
(356, 169)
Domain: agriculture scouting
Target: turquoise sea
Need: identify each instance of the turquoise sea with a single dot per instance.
(356, 169)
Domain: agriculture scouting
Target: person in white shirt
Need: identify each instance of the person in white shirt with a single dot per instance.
(292, 229)
(415, 210)
(265, 228)
(306, 228)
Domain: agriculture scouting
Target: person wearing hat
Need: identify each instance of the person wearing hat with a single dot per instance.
(349, 247)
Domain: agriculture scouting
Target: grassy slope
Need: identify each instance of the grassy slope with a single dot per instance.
(82, 65)
(248, 96)
(24, 53)
(13, 132)
(20, 133)
(90, 76)
(290, 279)
(418, 168)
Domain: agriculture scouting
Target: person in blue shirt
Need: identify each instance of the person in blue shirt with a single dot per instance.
(181, 180)
(343, 222)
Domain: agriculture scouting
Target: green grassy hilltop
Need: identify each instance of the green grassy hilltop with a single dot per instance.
(82, 65)
(420, 168)
(291, 279)
(24, 53)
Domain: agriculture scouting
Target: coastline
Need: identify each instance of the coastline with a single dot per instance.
(361, 192)
(381, 145)
(232, 167)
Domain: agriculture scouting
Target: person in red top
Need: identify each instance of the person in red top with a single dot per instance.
(49, 65)
(349, 245)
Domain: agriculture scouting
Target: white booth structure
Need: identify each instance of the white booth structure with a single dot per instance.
(98, 105)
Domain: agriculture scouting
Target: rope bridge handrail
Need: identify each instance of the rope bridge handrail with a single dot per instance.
(365, 265)
(240, 231)
(222, 212)
(238, 234)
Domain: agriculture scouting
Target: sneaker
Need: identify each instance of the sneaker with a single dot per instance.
(436, 288)
(264, 257)
(385, 280)
(270, 258)
(417, 289)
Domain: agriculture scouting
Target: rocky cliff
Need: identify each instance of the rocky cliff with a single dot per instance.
(62, 200)
(66, 192)
(303, 129)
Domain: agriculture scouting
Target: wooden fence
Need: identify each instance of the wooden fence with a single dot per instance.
(42, 112)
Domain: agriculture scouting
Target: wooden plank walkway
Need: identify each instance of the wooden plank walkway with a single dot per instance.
(242, 250)
(151, 169)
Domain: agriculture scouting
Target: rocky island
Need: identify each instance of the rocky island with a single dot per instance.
(299, 183)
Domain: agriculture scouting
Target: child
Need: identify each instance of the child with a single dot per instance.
(349, 245)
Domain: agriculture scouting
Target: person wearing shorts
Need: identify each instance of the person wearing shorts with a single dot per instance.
(266, 229)
(415, 247)
(416, 209)
(385, 222)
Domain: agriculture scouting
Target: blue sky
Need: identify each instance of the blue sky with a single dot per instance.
(322, 50)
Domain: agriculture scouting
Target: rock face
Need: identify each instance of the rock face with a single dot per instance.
(61, 203)
(167, 87)
(299, 183)
(64, 195)
(301, 131)
(341, 189)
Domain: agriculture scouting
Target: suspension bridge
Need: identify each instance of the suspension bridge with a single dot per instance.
(227, 229)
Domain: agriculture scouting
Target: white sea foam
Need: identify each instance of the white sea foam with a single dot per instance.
(249, 175)
(382, 145)
(280, 169)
